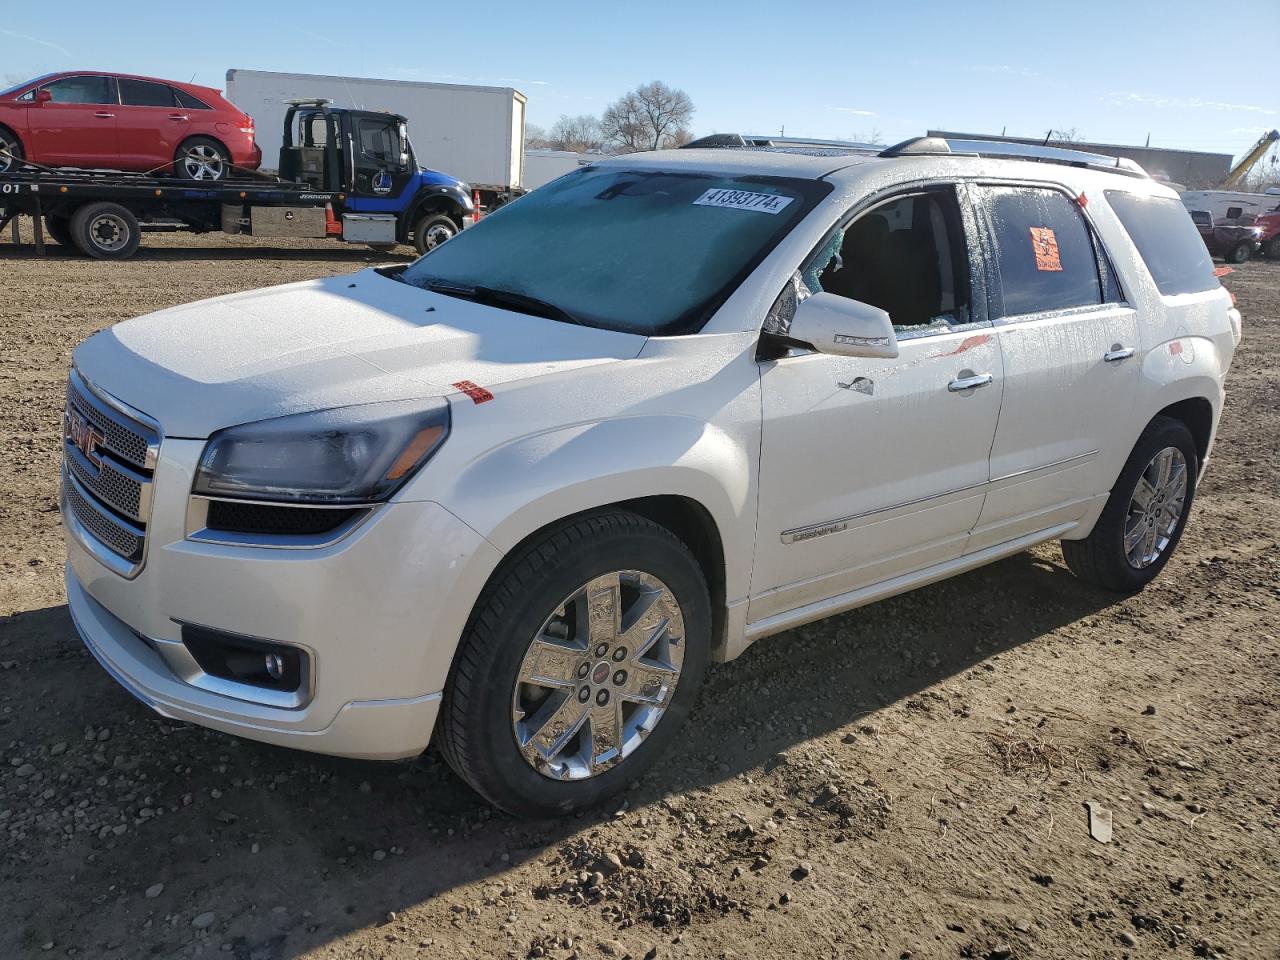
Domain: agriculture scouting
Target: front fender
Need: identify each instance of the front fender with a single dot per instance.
(450, 196)
(511, 491)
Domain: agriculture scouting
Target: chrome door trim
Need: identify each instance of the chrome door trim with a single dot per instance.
(814, 530)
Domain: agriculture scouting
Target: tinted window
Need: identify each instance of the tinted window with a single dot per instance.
(85, 89)
(649, 252)
(1234, 212)
(1168, 241)
(142, 93)
(380, 141)
(188, 101)
(1044, 252)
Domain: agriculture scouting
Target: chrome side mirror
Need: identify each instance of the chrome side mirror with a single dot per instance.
(844, 327)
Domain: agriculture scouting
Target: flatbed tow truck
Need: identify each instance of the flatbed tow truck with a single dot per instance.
(349, 175)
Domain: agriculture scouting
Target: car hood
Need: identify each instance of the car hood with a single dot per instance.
(326, 343)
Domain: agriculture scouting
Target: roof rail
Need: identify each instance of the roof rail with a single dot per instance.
(1001, 149)
(740, 141)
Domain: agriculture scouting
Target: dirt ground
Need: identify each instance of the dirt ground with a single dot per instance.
(908, 780)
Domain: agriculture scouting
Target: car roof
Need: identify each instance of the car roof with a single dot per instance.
(117, 76)
(854, 170)
(771, 163)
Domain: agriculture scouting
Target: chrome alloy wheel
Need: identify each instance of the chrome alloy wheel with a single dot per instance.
(8, 153)
(438, 234)
(598, 676)
(110, 232)
(1156, 508)
(203, 162)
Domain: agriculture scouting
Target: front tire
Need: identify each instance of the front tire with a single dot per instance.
(1273, 248)
(432, 230)
(1239, 253)
(202, 158)
(1145, 515)
(583, 657)
(106, 231)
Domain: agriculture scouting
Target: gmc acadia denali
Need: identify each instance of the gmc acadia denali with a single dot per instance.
(516, 495)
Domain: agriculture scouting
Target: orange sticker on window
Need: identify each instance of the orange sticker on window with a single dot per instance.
(1045, 245)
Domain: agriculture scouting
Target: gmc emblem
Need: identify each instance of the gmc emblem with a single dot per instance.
(84, 437)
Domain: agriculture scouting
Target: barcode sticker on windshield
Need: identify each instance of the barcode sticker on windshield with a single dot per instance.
(743, 200)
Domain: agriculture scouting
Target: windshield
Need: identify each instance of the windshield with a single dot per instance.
(22, 86)
(648, 252)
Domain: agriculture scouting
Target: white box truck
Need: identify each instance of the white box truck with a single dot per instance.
(471, 132)
(1231, 205)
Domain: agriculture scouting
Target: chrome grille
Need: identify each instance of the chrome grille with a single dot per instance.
(109, 457)
(125, 541)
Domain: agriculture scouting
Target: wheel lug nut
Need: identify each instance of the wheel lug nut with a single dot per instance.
(619, 677)
(601, 649)
(602, 698)
(620, 654)
(584, 693)
(583, 670)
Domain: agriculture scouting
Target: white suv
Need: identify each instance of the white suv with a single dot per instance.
(520, 492)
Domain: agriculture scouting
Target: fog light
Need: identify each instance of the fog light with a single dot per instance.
(275, 665)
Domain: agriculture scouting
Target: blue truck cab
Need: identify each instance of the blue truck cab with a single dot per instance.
(367, 157)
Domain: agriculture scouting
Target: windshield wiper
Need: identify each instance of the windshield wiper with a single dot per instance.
(521, 303)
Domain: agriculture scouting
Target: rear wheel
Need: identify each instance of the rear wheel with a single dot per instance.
(1273, 248)
(106, 231)
(432, 230)
(1239, 253)
(11, 154)
(59, 230)
(202, 158)
(1145, 515)
(583, 657)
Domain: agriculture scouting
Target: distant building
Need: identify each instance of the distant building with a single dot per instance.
(1189, 169)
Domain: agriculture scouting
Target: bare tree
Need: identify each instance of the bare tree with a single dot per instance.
(1070, 135)
(580, 133)
(653, 116)
(535, 137)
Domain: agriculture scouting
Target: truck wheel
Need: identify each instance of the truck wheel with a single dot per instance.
(581, 661)
(11, 155)
(202, 158)
(59, 230)
(1239, 253)
(1145, 515)
(432, 230)
(106, 231)
(1273, 248)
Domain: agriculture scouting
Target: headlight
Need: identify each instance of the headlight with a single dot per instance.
(354, 454)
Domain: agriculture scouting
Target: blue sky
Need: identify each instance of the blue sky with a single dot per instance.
(1188, 75)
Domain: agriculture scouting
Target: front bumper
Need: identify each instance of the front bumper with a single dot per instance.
(379, 612)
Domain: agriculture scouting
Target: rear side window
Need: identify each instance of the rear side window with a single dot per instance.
(142, 93)
(1045, 255)
(1168, 241)
(189, 102)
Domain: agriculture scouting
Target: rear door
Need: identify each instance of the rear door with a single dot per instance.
(78, 126)
(150, 124)
(1070, 350)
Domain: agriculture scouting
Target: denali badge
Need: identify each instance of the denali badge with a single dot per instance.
(802, 534)
(84, 436)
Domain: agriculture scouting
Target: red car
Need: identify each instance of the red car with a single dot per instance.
(118, 122)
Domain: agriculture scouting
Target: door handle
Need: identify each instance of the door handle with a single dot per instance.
(103, 115)
(178, 117)
(961, 384)
(1116, 354)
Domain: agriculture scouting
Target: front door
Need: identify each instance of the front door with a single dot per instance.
(78, 126)
(383, 164)
(1071, 356)
(871, 469)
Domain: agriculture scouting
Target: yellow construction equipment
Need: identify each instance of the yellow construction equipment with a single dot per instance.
(1241, 169)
